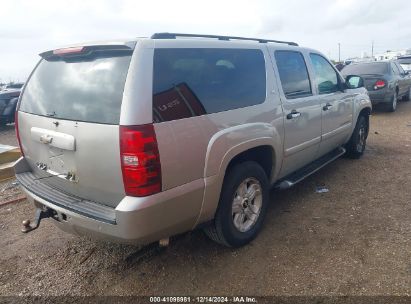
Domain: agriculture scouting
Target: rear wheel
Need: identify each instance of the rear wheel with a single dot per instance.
(242, 207)
(393, 105)
(356, 146)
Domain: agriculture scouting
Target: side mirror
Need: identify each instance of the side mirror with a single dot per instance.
(354, 82)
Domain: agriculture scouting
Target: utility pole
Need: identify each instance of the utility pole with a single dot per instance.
(372, 49)
(339, 52)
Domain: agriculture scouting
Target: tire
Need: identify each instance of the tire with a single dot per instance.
(393, 105)
(235, 229)
(356, 145)
(407, 96)
(3, 121)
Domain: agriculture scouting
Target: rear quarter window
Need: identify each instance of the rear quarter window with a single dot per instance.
(192, 82)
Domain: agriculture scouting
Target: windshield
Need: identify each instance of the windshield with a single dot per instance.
(366, 68)
(88, 89)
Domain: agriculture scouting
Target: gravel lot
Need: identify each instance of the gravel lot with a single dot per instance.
(7, 135)
(353, 240)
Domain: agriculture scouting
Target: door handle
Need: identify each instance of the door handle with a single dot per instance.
(327, 106)
(293, 114)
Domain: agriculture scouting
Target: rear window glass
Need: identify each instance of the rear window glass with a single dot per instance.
(193, 82)
(88, 90)
(366, 68)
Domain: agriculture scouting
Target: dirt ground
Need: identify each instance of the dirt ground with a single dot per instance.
(353, 240)
(7, 135)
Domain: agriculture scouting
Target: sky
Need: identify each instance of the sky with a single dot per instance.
(30, 27)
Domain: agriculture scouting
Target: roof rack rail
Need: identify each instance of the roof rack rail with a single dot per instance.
(226, 38)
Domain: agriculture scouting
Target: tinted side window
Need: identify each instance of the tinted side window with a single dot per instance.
(293, 74)
(325, 75)
(193, 82)
(395, 69)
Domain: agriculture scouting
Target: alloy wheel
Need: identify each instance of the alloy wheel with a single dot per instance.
(246, 205)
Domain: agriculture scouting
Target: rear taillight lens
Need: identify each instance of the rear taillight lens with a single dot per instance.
(140, 160)
(379, 84)
(16, 125)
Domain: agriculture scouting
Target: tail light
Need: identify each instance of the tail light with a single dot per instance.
(16, 125)
(140, 160)
(379, 84)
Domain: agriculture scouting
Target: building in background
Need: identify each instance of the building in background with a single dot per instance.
(389, 55)
(364, 58)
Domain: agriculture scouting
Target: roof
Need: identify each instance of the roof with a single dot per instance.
(219, 37)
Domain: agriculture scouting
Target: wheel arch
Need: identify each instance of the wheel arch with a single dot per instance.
(365, 112)
(223, 153)
(264, 155)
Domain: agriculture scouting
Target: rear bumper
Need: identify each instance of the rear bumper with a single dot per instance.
(381, 96)
(136, 220)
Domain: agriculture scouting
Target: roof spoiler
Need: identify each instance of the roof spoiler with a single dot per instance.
(80, 51)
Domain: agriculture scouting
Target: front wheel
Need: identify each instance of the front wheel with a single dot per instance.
(242, 206)
(356, 145)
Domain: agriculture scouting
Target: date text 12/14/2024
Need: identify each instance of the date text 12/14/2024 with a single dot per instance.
(203, 299)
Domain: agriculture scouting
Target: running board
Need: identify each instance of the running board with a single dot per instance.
(299, 175)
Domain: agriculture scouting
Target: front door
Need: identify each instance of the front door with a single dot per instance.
(336, 105)
(404, 80)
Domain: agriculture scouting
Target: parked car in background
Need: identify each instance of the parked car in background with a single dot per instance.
(340, 66)
(8, 103)
(13, 86)
(405, 62)
(163, 135)
(386, 81)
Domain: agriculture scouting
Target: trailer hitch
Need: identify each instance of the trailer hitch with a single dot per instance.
(40, 214)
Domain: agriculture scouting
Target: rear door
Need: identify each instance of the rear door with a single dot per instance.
(400, 79)
(302, 111)
(336, 105)
(404, 80)
(69, 120)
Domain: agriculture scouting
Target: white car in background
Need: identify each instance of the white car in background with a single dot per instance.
(405, 62)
